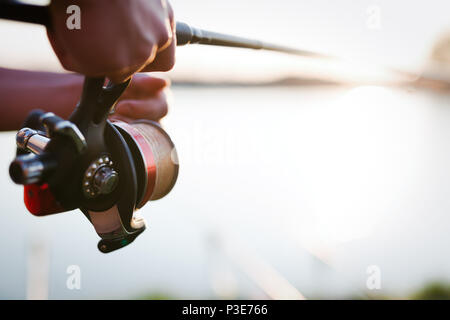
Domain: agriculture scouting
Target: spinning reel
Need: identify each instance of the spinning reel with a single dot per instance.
(106, 169)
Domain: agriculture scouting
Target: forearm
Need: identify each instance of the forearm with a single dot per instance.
(23, 91)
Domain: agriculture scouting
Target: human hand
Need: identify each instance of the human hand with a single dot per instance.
(117, 37)
(145, 98)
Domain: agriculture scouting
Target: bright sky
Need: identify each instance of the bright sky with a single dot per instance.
(398, 33)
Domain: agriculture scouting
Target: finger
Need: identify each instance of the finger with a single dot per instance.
(169, 25)
(123, 75)
(152, 109)
(164, 61)
(144, 86)
(171, 15)
(165, 58)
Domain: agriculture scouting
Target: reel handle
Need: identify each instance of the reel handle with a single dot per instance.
(30, 168)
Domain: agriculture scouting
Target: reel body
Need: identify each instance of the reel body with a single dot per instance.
(107, 170)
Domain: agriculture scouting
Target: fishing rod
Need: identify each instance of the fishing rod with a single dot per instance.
(185, 34)
(189, 35)
(106, 169)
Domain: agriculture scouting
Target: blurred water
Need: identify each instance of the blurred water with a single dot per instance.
(317, 183)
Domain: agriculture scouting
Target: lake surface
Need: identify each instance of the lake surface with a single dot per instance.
(282, 192)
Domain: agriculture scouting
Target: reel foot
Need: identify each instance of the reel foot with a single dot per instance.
(107, 246)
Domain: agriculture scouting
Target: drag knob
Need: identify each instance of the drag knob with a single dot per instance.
(100, 177)
(106, 180)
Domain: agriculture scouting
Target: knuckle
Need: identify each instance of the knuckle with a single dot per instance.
(168, 65)
(165, 37)
(164, 109)
(163, 32)
(145, 53)
(126, 108)
(171, 13)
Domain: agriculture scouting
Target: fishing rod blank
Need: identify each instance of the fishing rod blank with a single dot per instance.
(190, 35)
(185, 34)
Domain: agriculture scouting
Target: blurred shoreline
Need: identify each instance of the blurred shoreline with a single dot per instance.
(421, 82)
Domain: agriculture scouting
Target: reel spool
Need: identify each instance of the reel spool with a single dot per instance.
(154, 154)
(106, 169)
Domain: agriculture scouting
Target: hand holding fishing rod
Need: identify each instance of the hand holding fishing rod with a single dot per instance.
(112, 38)
(103, 42)
(115, 38)
(107, 170)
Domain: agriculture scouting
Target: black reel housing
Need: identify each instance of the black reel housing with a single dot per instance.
(86, 163)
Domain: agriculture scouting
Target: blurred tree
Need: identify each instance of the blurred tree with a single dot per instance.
(441, 51)
(433, 291)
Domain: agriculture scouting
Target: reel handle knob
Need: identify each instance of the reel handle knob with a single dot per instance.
(30, 168)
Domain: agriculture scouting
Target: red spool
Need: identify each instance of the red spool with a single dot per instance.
(155, 158)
